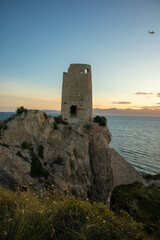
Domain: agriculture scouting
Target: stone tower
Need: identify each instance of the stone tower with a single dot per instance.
(77, 93)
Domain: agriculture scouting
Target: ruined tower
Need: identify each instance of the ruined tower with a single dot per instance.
(77, 93)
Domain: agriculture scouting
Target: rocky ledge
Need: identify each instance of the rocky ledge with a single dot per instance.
(37, 151)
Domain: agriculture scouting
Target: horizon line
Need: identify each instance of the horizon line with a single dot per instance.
(108, 111)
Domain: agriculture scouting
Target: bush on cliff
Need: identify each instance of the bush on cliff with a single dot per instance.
(27, 145)
(3, 124)
(100, 120)
(151, 176)
(59, 120)
(20, 110)
(142, 203)
(26, 215)
(40, 151)
(36, 166)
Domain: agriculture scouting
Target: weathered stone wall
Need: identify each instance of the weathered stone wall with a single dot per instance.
(77, 93)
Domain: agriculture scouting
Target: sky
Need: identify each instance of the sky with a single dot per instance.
(39, 39)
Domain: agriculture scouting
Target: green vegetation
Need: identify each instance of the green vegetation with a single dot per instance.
(59, 161)
(26, 145)
(151, 176)
(88, 126)
(21, 156)
(4, 145)
(40, 151)
(142, 203)
(59, 120)
(36, 166)
(100, 120)
(37, 169)
(3, 124)
(55, 127)
(20, 110)
(26, 215)
(45, 115)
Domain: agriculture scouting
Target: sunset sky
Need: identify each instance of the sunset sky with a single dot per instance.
(39, 39)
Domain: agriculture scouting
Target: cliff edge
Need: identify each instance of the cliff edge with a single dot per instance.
(37, 150)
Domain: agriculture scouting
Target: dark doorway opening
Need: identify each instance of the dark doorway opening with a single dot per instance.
(73, 111)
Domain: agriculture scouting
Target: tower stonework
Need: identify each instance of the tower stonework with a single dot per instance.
(77, 93)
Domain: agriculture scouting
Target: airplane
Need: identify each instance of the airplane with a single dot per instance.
(151, 32)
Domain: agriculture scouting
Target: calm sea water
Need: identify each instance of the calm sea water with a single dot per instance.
(136, 138)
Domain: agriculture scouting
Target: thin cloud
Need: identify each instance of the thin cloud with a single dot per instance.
(129, 111)
(143, 93)
(121, 102)
(158, 94)
(150, 107)
(96, 105)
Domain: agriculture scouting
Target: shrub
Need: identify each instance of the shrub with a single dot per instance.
(88, 126)
(36, 166)
(100, 120)
(26, 215)
(5, 128)
(59, 120)
(40, 151)
(20, 110)
(75, 219)
(151, 176)
(59, 161)
(45, 115)
(26, 145)
(4, 145)
(3, 125)
(37, 169)
(19, 154)
(55, 127)
(141, 202)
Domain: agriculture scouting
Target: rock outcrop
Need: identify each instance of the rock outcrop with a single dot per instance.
(37, 150)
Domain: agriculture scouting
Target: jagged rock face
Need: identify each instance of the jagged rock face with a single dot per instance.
(35, 151)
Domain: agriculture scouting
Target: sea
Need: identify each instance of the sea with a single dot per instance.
(136, 138)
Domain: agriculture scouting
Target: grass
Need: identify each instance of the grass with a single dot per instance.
(26, 215)
(142, 203)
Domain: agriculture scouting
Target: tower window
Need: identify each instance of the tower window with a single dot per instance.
(73, 111)
(86, 70)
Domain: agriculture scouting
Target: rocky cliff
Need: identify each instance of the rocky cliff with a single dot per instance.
(37, 150)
